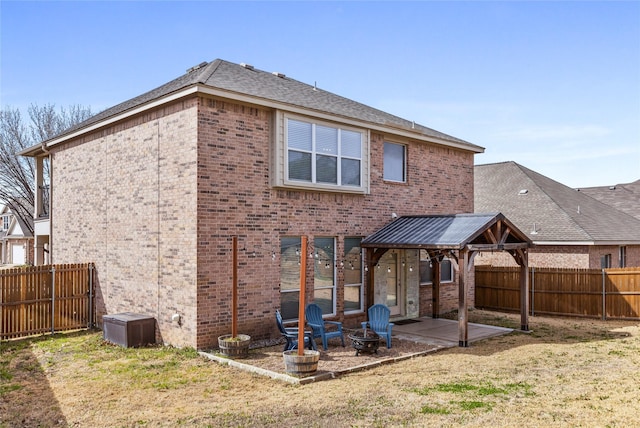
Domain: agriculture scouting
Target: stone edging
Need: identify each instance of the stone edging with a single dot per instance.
(310, 379)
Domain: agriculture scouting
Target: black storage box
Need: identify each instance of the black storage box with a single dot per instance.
(129, 329)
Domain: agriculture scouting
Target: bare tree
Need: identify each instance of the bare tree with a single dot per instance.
(17, 173)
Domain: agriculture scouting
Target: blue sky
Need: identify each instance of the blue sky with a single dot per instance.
(554, 86)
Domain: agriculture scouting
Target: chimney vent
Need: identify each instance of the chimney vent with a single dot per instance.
(278, 74)
(247, 66)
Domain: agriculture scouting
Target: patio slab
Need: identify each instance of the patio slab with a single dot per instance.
(444, 332)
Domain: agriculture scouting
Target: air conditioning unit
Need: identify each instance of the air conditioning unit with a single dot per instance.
(129, 329)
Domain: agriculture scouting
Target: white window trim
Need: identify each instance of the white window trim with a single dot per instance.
(404, 168)
(280, 156)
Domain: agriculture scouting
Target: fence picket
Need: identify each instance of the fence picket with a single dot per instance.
(31, 304)
(571, 292)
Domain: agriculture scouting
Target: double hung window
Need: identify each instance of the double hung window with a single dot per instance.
(324, 155)
(289, 276)
(352, 275)
(426, 269)
(324, 274)
(395, 162)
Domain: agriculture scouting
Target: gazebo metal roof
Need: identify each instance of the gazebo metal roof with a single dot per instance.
(450, 232)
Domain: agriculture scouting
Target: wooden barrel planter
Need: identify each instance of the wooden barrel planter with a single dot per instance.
(301, 365)
(234, 347)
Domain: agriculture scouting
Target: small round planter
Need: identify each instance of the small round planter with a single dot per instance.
(301, 365)
(234, 347)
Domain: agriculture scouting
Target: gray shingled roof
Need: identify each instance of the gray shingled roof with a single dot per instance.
(559, 213)
(435, 231)
(623, 197)
(262, 85)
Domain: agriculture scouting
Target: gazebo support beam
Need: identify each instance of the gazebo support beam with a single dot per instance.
(463, 300)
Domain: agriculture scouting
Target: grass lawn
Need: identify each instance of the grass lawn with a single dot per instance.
(567, 372)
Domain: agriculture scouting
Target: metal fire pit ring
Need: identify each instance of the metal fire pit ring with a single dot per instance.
(365, 341)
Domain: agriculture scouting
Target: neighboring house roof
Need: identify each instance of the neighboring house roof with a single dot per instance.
(453, 231)
(623, 197)
(246, 83)
(550, 212)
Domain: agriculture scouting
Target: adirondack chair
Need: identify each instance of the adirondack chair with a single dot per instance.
(379, 321)
(291, 335)
(313, 313)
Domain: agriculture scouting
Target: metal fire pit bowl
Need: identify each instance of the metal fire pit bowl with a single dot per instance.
(365, 341)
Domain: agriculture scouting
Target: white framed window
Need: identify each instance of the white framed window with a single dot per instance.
(426, 269)
(289, 276)
(353, 279)
(5, 222)
(395, 162)
(324, 274)
(320, 155)
(623, 256)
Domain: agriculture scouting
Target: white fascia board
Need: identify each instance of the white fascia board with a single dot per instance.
(158, 102)
(234, 96)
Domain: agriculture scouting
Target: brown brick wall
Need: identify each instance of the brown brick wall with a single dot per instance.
(125, 199)
(234, 198)
(155, 200)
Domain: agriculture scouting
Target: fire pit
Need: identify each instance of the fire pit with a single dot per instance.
(365, 341)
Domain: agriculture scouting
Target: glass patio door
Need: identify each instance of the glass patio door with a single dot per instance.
(394, 285)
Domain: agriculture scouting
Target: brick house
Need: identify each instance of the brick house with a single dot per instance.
(623, 197)
(569, 228)
(152, 191)
(16, 239)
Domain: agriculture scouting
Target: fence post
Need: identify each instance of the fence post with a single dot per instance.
(90, 320)
(604, 296)
(53, 299)
(533, 290)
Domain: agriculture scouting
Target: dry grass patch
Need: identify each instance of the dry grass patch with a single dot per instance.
(567, 372)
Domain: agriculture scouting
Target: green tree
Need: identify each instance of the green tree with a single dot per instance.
(17, 173)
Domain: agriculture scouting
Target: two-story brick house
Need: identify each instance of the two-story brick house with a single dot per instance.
(152, 190)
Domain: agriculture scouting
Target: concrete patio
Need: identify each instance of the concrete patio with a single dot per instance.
(444, 332)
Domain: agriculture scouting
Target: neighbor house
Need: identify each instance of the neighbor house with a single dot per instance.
(568, 228)
(153, 190)
(624, 197)
(16, 239)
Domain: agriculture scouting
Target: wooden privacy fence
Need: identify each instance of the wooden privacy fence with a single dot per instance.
(606, 293)
(46, 299)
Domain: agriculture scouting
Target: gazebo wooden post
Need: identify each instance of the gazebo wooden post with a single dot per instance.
(369, 278)
(463, 322)
(302, 299)
(435, 298)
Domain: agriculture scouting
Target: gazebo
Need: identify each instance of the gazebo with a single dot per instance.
(459, 237)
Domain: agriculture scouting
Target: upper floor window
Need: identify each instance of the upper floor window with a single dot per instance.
(623, 257)
(323, 154)
(5, 222)
(605, 261)
(320, 155)
(395, 162)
